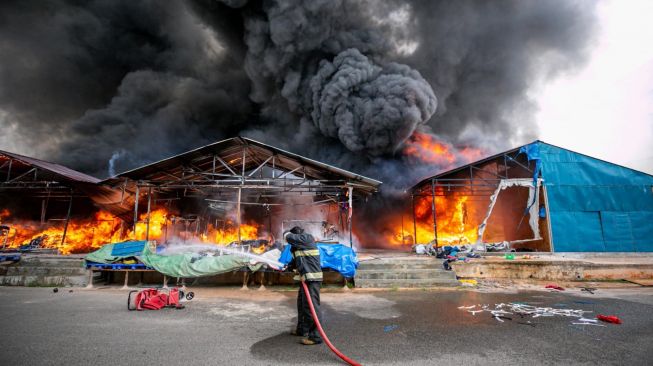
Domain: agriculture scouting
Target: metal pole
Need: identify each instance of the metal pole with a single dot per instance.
(238, 213)
(414, 222)
(43, 206)
(9, 170)
(136, 210)
(270, 221)
(435, 222)
(149, 203)
(351, 215)
(65, 226)
(165, 230)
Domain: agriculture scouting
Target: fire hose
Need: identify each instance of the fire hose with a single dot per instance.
(319, 328)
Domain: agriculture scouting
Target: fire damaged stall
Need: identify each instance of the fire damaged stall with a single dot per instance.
(46, 206)
(237, 190)
(233, 197)
(537, 197)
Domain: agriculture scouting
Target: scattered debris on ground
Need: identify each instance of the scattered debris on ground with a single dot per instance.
(588, 289)
(503, 311)
(468, 282)
(390, 328)
(554, 286)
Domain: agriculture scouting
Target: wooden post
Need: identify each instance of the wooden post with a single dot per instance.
(65, 226)
(149, 204)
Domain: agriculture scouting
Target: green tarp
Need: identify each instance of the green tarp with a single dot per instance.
(191, 265)
(103, 255)
(185, 265)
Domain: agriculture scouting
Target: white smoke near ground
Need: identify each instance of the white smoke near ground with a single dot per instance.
(112, 161)
(178, 247)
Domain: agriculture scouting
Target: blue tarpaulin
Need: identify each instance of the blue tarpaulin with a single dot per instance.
(338, 257)
(594, 205)
(128, 248)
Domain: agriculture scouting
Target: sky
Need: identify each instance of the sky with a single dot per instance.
(605, 109)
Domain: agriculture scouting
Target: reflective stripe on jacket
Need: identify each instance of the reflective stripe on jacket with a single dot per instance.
(306, 255)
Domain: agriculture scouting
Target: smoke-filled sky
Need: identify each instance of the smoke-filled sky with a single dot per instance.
(103, 86)
(605, 109)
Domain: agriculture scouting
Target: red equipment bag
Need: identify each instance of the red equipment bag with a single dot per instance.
(153, 299)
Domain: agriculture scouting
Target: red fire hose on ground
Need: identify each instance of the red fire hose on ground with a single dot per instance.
(319, 328)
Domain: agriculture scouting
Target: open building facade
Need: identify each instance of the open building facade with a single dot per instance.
(537, 197)
(235, 190)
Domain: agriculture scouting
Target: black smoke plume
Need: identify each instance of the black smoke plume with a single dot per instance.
(107, 85)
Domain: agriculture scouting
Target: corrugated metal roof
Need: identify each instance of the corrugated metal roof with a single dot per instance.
(257, 151)
(513, 150)
(64, 173)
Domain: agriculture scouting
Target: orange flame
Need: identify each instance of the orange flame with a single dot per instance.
(81, 235)
(454, 224)
(86, 235)
(229, 233)
(427, 149)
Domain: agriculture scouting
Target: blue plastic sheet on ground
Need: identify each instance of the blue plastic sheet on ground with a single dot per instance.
(453, 251)
(390, 328)
(338, 257)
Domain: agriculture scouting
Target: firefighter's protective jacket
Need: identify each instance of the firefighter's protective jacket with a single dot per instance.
(306, 255)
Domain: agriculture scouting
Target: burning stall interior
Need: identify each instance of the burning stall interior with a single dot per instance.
(537, 197)
(46, 206)
(234, 192)
(238, 191)
(494, 204)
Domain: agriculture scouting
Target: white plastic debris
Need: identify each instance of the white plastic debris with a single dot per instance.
(503, 309)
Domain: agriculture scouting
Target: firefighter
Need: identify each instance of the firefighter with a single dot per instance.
(306, 260)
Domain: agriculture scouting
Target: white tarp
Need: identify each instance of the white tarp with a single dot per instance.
(533, 201)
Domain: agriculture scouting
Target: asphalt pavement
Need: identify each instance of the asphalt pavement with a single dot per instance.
(231, 327)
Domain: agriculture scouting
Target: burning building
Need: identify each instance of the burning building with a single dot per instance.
(233, 191)
(42, 203)
(536, 197)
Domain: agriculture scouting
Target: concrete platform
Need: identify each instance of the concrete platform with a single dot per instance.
(560, 266)
(44, 270)
(378, 269)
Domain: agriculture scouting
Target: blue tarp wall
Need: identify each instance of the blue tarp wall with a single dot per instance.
(594, 206)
